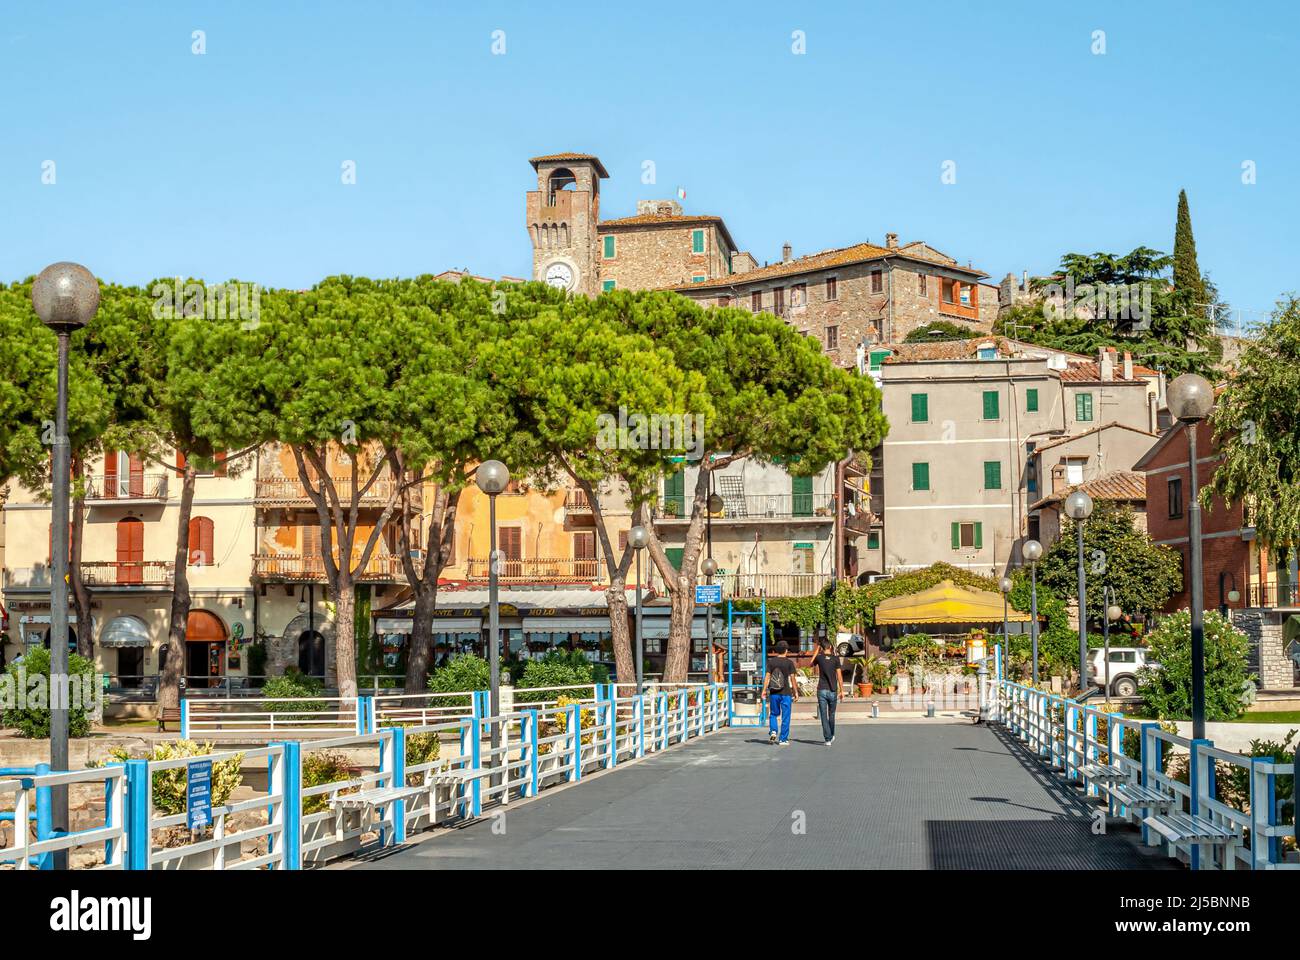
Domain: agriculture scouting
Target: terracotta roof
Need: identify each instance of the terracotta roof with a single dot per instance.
(1116, 485)
(949, 349)
(1089, 371)
(551, 157)
(1086, 433)
(841, 256)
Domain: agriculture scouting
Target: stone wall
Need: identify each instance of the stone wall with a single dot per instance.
(1268, 657)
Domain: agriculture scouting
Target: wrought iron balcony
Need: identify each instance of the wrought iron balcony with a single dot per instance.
(289, 491)
(295, 567)
(538, 570)
(134, 487)
(749, 508)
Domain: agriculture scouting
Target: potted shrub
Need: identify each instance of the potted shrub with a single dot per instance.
(882, 675)
(861, 677)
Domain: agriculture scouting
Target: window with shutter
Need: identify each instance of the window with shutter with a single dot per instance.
(920, 476)
(1083, 407)
(675, 494)
(992, 475)
(920, 407)
(130, 551)
(991, 407)
(510, 543)
(609, 247)
(1031, 400)
(675, 556)
(801, 496)
(201, 552)
(697, 241)
(110, 474)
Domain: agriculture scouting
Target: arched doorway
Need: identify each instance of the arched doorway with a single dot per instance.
(311, 653)
(205, 643)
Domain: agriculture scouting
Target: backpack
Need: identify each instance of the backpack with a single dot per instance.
(775, 682)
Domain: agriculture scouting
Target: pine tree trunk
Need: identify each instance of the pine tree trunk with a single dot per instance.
(345, 641)
(682, 592)
(620, 631)
(76, 582)
(420, 655)
(169, 692)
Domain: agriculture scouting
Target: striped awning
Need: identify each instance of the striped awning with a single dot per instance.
(125, 632)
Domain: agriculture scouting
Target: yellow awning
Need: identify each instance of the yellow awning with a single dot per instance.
(947, 603)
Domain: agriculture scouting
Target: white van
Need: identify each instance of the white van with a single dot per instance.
(1125, 662)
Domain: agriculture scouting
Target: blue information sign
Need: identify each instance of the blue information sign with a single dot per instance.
(708, 593)
(198, 794)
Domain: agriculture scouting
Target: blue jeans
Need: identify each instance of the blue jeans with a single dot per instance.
(779, 707)
(826, 701)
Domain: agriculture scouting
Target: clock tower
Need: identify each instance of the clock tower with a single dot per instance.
(562, 214)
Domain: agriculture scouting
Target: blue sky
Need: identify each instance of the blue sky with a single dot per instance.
(228, 164)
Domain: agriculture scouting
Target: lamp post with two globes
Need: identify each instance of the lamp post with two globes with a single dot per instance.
(1078, 507)
(1032, 551)
(639, 538)
(492, 478)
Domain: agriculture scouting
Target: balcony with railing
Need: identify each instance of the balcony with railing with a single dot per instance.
(134, 488)
(538, 570)
(295, 567)
(1273, 595)
(289, 492)
(101, 574)
(756, 507)
(577, 507)
(741, 585)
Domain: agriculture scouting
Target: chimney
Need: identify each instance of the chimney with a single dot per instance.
(1106, 364)
(1058, 478)
(891, 241)
(1128, 365)
(787, 253)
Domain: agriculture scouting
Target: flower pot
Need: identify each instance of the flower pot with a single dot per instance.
(864, 689)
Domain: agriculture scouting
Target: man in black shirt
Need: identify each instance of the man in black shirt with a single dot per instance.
(780, 689)
(830, 684)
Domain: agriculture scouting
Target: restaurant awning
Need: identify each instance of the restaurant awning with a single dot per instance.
(125, 632)
(946, 602)
(566, 624)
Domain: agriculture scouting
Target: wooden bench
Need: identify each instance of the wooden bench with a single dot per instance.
(1178, 828)
(168, 715)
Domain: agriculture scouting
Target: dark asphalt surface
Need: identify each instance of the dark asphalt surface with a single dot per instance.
(887, 795)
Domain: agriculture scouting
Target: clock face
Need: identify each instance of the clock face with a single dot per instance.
(560, 275)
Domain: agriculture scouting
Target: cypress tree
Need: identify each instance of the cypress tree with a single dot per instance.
(1187, 272)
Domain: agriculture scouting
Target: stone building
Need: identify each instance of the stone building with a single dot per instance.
(961, 478)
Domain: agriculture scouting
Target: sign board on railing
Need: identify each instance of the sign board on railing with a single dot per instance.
(708, 593)
(198, 794)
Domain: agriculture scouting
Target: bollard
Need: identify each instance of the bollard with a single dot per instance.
(875, 710)
(929, 709)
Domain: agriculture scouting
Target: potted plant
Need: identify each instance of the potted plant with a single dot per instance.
(882, 675)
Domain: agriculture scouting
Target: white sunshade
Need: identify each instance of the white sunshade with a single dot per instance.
(125, 632)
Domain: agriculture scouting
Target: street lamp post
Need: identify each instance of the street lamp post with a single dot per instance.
(1113, 612)
(65, 297)
(1078, 506)
(492, 477)
(1232, 596)
(1005, 586)
(1191, 400)
(639, 537)
(710, 566)
(1032, 551)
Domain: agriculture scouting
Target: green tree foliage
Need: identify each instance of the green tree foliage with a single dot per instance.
(1167, 691)
(558, 669)
(939, 330)
(25, 694)
(774, 396)
(1141, 575)
(1257, 430)
(1188, 282)
(464, 672)
(1176, 337)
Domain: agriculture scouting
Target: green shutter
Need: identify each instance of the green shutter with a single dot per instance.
(675, 556)
(697, 241)
(609, 247)
(979, 535)
(920, 476)
(877, 356)
(1031, 401)
(607, 285)
(992, 475)
(920, 407)
(873, 540)
(956, 535)
(675, 494)
(1083, 406)
(991, 405)
(801, 496)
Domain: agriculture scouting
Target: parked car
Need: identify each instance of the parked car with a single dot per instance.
(1125, 662)
(847, 644)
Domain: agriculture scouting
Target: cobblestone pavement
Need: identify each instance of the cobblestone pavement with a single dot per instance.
(908, 795)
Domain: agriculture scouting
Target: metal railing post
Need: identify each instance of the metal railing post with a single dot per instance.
(685, 705)
(44, 819)
(640, 725)
(1201, 784)
(285, 779)
(392, 757)
(138, 841)
(1262, 812)
(185, 716)
(663, 721)
(575, 726)
(611, 705)
(531, 788)
(476, 760)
